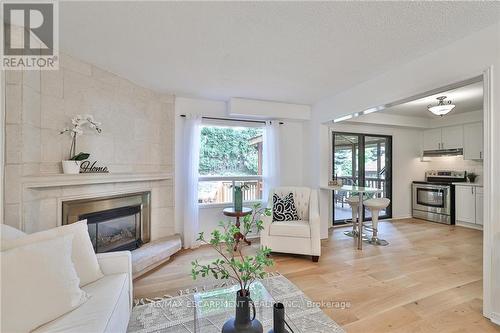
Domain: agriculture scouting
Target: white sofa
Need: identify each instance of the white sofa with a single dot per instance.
(298, 237)
(110, 303)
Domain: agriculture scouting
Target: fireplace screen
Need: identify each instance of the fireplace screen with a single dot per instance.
(115, 229)
(115, 223)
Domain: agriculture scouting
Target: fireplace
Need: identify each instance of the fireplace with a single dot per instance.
(115, 223)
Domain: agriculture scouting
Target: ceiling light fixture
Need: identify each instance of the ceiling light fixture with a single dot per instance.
(442, 107)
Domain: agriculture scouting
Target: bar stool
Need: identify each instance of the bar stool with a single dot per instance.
(375, 205)
(353, 201)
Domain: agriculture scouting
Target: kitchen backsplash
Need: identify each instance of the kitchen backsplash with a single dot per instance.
(456, 163)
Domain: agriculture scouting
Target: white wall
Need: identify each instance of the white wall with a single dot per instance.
(292, 160)
(460, 60)
(243, 107)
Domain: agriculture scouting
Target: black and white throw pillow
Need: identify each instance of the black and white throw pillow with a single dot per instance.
(284, 208)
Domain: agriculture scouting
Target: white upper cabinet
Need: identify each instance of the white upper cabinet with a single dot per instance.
(452, 137)
(444, 138)
(432, 139)
(473, 141)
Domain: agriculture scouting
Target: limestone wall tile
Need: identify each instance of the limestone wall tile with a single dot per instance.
(33, 194)
(70, 63)
(13, 215)
(52, 113)
(13, 173)
(30, 169)
(48, 214)
(31, 78)
(100, 148)
(50, 168)
(13, 144)
(51, 147)
(106, 77)
(98, 190)
(31, 150)
(13, 103)
(31, 106)
(162, 197)
(31, 216)
(138, 127)
(52, 83)
(13, 77)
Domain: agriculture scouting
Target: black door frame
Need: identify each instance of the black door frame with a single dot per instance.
(361, 168)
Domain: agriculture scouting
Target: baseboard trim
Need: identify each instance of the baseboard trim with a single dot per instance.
(495, 318)
(401, 217)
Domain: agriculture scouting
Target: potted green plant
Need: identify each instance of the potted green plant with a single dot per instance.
(72, 165)
(234, 265)
(471, 176)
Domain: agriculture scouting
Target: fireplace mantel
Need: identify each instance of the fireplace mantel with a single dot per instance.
(60, 180)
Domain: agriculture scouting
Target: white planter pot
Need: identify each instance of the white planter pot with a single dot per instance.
(71, 167)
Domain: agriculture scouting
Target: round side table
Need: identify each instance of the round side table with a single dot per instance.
(229, 211)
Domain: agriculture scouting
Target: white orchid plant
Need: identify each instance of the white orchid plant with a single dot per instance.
(78, 122)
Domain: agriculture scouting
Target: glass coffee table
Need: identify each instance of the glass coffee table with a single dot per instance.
(207, 311)
(213, 308)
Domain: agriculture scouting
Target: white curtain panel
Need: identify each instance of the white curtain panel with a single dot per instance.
(190, 163)
(271, 158)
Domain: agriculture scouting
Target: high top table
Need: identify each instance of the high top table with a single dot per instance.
(231, 212)
(361, 192)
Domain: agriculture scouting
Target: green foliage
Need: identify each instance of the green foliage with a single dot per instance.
(233, 264)
(226, 151)
(80, 157)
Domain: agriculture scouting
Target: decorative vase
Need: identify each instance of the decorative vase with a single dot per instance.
(242, 323)
(238, 199)
(71, 167)
(278, 319)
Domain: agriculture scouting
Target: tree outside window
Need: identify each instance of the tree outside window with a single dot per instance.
(228, 155)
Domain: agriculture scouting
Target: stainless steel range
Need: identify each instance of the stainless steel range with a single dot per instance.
(434, 198)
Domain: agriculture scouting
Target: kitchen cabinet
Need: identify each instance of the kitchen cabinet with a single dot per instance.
(469, 204)
(479, 205)
(452, 137)
(465, 204)
(473, 141)
(432, 139)
(444, 138)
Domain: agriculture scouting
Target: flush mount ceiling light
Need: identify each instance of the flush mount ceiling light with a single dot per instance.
(442, 107)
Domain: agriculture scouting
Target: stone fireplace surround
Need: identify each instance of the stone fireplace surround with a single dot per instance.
(136, 144)
(43, 197)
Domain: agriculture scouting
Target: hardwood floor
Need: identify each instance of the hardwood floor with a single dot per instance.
(429, 279)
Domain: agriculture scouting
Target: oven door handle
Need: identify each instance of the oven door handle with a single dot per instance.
(432, 187)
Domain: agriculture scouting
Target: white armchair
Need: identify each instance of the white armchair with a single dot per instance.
(298, 237)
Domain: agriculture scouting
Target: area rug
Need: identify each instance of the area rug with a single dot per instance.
(176, 314)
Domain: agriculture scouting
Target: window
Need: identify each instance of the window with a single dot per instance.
(230, 155)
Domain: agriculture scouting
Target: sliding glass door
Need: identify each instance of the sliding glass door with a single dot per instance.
(363, 160)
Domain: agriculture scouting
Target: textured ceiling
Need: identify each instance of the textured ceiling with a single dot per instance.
(468, 98)
(284, 51)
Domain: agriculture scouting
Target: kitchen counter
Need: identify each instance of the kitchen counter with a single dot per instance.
(468, 184)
